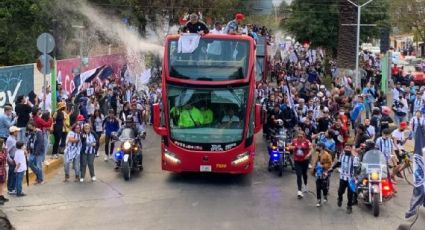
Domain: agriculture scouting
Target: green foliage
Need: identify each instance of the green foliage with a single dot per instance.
(317, 21)
(21, 22)
(408, 17)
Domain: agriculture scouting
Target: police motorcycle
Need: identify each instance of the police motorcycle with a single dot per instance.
(129, 157)
(279, 156)
(373, 185)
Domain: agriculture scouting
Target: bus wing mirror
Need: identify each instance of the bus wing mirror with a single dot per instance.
(157, 121)
(258, 124)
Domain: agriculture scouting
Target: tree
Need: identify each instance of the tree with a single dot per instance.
(313, 21)
(317, 21)
(409, 16)
(21, 22)
(347, 36)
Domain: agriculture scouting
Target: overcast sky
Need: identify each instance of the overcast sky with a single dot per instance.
(277, 2)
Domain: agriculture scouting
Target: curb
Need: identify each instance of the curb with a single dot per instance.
(49, 167)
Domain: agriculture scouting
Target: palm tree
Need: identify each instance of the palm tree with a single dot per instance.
(346, 58)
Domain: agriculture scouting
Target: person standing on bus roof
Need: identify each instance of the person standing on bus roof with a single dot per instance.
(190, 116)
(195, 26)
(218, 28)
(232, 27)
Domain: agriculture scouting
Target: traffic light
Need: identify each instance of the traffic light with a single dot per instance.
(385, 40)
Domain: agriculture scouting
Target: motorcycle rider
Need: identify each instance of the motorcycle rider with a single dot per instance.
(272, 117)
(138, 132)
(289, 117)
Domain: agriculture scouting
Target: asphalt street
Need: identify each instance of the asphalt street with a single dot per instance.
(162, 200)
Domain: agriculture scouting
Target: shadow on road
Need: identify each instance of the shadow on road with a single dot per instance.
(214, 179)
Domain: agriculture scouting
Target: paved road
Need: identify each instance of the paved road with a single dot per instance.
(162, 200)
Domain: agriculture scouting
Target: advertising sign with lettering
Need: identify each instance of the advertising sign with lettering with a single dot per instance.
(15, 81)
(69, 68)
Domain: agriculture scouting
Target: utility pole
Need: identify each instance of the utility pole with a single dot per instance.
(359, 13)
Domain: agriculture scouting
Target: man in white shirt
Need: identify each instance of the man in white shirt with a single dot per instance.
(214, 48)
(399, 136)
(385, 144)
(21, 167)
(396, 92)
(218, 28)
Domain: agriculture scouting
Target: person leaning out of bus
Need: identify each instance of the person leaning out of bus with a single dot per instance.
(190, 116)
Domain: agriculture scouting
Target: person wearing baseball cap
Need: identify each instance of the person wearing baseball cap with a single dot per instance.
(232, 27)
(11, 148)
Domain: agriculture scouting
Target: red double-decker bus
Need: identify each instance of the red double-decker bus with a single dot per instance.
(262, 59)
(208, 116)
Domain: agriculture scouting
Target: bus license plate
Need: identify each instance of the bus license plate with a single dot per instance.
(205, 168)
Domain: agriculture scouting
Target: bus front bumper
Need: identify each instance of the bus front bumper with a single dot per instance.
(242, 163)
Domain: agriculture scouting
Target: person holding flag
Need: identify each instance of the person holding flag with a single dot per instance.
(418, 196)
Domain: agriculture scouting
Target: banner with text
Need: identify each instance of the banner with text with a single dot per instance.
(15, 81)
(69, 68)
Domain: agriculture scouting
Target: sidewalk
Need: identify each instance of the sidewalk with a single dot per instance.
(49, 166)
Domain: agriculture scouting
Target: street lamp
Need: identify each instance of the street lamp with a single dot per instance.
(359, 10)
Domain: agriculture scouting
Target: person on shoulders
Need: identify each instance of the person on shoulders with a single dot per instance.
(23, 110)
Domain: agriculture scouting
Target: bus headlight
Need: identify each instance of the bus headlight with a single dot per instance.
(126, 145)
(171, 157)
(241, 158)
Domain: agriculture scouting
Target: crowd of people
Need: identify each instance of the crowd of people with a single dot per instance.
(77, 125)
(332, 122)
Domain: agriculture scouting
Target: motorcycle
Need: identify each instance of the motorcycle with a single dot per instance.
(374, 185)
(279, 156)
(128, 156)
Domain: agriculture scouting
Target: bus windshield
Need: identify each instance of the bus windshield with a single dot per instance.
(207, 116)
(212, 60)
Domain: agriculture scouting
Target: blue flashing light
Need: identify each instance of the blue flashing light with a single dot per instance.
(118, 155)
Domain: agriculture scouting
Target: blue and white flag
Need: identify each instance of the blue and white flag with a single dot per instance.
(86, 76)
(418, 197)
